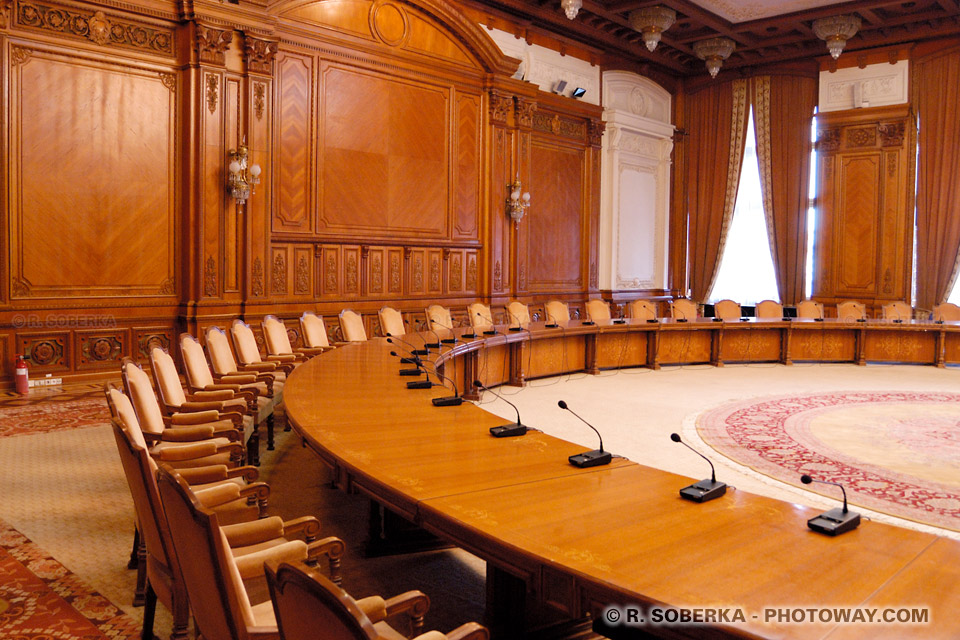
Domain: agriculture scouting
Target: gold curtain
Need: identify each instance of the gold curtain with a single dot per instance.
(936, 97)
(782, 112)
(716, 118)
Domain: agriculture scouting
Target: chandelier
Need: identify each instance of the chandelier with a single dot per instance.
(651, 22)
(714, 51)
(571, 7)
(836, 30)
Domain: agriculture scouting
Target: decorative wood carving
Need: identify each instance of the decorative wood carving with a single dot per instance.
(20, 289)
(20, 55)
(301, 281)
(96, 27)
(593, 275)
(525, 109)
(891, 133)
(210, 277)
(169, 80)
(862, 137)
(559, 126)
(500, 105)
(213, 91)
(279, 273)
(100, 349)
(497, 277)
(456, 272)
(330, 272)
(146, 342)
(167, 287)
(256, 273)
(5, 13)
(396, 272)
(828, 140)
(522, 277)
(45, 351)
(259, 54)
(418, 272)
(376, 273)
(212, 44)
(259, 92)
(351, 275)
(435, 273)
(595, 129)
(472, 272)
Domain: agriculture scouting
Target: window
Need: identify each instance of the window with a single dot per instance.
(746, 268)
(811, 208)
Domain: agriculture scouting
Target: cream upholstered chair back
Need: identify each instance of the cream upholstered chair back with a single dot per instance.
(946, 312)
(809, 309)
(166, 378)
(481, 318)
(683, 309)
(275, 335)
(642, 310)
(850, 310)
(195, 362)
(314, 330)
(727, 310)
(351, 324)
(145, 404)
(769, 309)
(518, 313)
(121, 411)
(244, 342)
(391, 322)
(597, 310)
(438, 318)
(557, 311)
(218, 347)
(897, 311)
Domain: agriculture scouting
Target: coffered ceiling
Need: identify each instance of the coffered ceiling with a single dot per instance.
(765, 32)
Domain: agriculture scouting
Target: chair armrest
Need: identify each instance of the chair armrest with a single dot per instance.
(257, 492)
(469, 631)
(220, 386)
(194, 418)
(204, 475)
(282, 357)
(247, 472)
(194, 406)
(374, 607)
(309, 352)
(186, 452)
(245, 534)
(260, 366)
(331, 548)
(211, 396)
(413, 603)
(188, 433)
(263, 633)
(251, 564)
(218, 495)
(309, 526)
(238, 378)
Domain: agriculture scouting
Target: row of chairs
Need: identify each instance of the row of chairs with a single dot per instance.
(201, 530)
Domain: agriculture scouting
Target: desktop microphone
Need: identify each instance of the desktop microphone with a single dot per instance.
(593, 458)
(835, 521)
(412, 348)
(507, 430)
(492, 331)
(447, 401)
(415, 359)
(518, 326)
(552, 322)
(588, 322)
(452, 340)
(683, 316)
(898, 319)
(621, 319)
(432, 345)
(416, 353)
(705, 489)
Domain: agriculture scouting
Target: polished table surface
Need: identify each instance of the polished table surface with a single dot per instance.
(582, 539)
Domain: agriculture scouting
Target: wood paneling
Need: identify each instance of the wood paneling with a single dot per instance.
(750, 345)
(615, 350)
(824, 345)
(295, 76)
(467, 167)
(560, 355)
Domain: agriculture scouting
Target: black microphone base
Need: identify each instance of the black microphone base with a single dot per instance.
(587, 323)
(619, 321)
(470, 335)
(421, 352)
(420, 384)
(681, 319)
(818, 319)
(835, 522)
(652, 320)
(703, 491)
(515, 329)
(508, 430)
(410, 372)
(861, 319)
(490, 332)
(448, 401)
(552, 325)
(786, 318)
(449, 341)
(429, 345)
(408, 361)
(898, 321)
(593, 458)
(717, 319)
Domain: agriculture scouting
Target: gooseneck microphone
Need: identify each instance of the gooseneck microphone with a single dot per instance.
(593, 458)
(446, 401)
(835, 521)
(551, 321)
(452, 340)
(683, 316)
(513, 318)
(492, 331)
(410, 348)
(705, 489)
(507, 430)
(409, 372)
(415, 384)
(432, 345)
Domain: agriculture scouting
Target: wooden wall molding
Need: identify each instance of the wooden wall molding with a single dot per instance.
(259, 54)
(211, 44)
(95, 26)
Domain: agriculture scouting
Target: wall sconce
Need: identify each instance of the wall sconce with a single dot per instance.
(242, 181)
(518, 201)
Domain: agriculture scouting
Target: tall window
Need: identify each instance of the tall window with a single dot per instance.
(746, 268)
(811, 208)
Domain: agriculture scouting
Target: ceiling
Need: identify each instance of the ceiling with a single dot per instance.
(765, 31)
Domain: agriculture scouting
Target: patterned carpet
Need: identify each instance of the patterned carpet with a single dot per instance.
(895, 452)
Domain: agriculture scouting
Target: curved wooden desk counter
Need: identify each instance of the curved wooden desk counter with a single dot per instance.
(581, 539)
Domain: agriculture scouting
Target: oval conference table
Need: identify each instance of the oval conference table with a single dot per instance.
(581, 540)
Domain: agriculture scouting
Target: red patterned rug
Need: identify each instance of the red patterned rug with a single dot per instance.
(41, 600)
(54, 413)
(896, 453)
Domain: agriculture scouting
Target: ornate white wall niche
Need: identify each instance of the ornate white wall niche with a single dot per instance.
(876, 85)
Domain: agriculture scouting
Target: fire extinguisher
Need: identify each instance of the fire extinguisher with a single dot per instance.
(23, 376)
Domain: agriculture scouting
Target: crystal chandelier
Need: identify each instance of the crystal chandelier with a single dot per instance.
(714, 51)
(571, 7)
(836, 30)
(651, 22)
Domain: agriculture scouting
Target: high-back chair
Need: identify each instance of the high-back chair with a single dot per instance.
(769, 309)
(391, 322)
(438, 318)
(314, 331)
(556, 311)
(310, 607)
(597, 310)
(851, 310)
(351, 325)
(897, 311)
(946, 312)
(727, 310)
(642, 310)
(810, 310)
(683, 309)
(278, 342)
(481, 318)
(518, 313)
(243, 343)
(260, 376)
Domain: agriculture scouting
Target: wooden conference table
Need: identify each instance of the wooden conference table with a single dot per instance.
(580, 540)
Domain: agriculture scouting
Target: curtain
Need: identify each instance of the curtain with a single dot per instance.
(716, 119)
(782, 112)
(936, 87)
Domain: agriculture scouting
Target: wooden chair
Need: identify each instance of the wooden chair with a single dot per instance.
(211, 573)
(557, 311)
(243, 343)
(438, 318)
(642, 310)
(851, 311)
(481, 318)
(518, 313)
(683, 309)
(391, 322)
(769, 309)
(897, 312)
(351, 325)
(597, 310)
(946, 312)
(314, 331)
(727, 310)
(810, 310)
(310, 607)
(278, 341)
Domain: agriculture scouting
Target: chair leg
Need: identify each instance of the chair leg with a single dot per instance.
(253, 447)
(134, 560)
(149, 610)
(181, 616)
(270, 432)
(139, 592)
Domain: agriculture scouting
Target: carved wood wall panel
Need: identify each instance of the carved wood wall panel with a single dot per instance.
(296, 143)
(212, 190)
(467, 166)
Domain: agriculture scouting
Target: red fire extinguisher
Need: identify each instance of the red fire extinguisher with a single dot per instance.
(23, 376)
